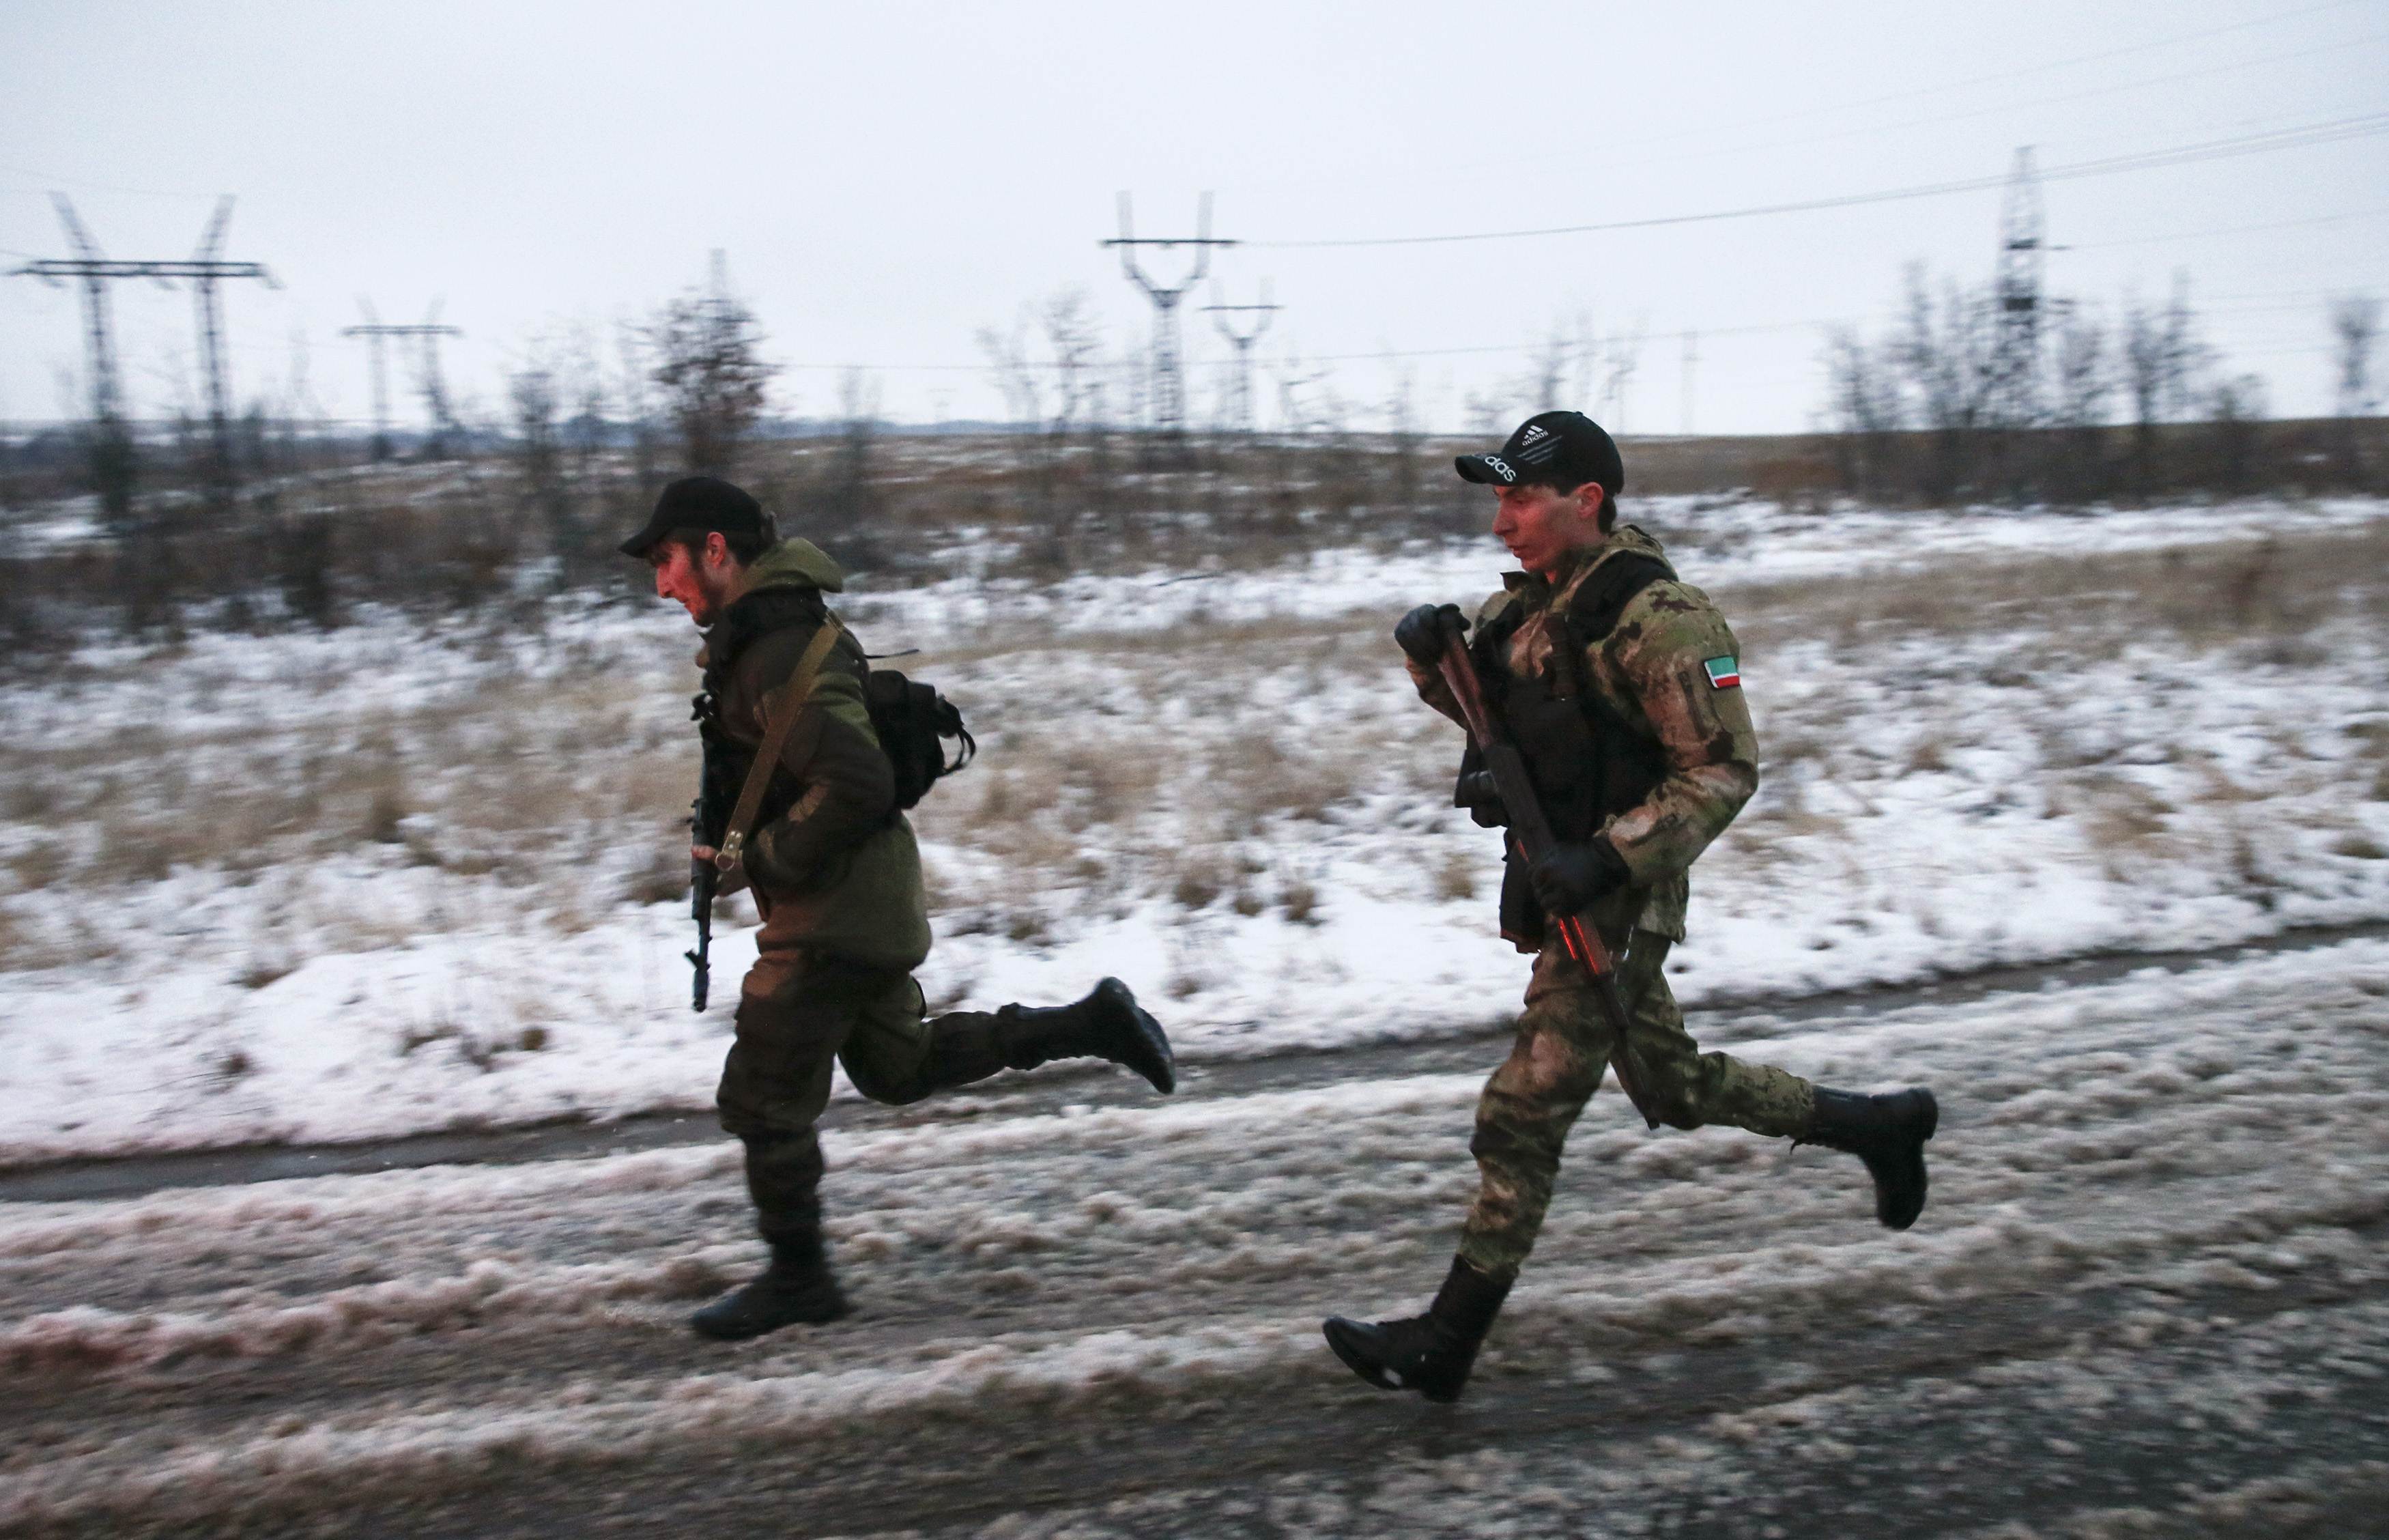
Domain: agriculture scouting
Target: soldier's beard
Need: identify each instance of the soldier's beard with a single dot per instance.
(714, 597)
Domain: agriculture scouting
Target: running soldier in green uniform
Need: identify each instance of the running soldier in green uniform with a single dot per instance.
(837, 877)
(1621, 688)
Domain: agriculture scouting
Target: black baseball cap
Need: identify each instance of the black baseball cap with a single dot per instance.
(700, 504)
(1555, 449)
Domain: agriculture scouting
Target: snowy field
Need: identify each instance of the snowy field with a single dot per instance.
(2146, 1300)
(400, 877)
(389, 880)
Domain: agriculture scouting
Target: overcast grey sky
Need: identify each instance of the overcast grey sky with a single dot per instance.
(888, 179)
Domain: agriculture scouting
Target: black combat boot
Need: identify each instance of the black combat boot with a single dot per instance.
(1886, 1131)
(796, 1289)
(1430, 1353)
(1107, 1024)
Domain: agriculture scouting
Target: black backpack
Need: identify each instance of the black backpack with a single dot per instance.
(913, 721)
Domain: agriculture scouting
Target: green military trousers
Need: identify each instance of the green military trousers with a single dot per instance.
(800, 1011)
(1562, 1046)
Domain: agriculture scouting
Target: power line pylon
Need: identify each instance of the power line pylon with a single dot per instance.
(1240, 399)
(2017, 300)
(426, 332)
(206, 272)
(113, 440)
(373, 332)
(1169, 374)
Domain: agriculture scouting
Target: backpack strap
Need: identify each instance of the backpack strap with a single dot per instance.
(779, 718)
(1595, 608)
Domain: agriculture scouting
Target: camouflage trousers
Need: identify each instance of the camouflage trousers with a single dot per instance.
(1562, 1046)
(800, 1013)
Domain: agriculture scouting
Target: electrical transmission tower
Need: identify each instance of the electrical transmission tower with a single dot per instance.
(1240, 396)
(111, 440)
(1168, 374)
(2018, 301)
(207, 270)
(426, 332)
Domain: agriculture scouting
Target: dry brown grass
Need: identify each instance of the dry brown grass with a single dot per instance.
(2119, 815)
(514, 778)
(1456, 878)
(1132, 768)
(2268, 591)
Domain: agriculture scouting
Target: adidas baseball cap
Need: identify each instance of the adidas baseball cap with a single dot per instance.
(1553, 449)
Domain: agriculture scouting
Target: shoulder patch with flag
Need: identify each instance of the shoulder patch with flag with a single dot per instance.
(1724, 673)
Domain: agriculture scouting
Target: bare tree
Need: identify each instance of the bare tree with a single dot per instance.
(1015, 375)
(2234, 406)
(638, 410)
(2081, 383)
(1049, 401)
(707, 361)
(531, 394)
(1402, 443)
(1552, 370)
(2354, 329)
(581, 393)
(534, 397)
(1075, 339)
(847, 500)
(2160, 358)
(1863, 406)
(1621, 353)
(1944, 352)
(1486, 414)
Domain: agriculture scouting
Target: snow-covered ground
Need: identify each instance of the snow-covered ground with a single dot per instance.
(2148, 1279)
(398, 877)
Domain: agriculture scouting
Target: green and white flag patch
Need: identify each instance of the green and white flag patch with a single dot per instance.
(1725, 674)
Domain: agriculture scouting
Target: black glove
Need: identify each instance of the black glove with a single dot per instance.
(1424, 632)
(1477, 793)
(1571, 878)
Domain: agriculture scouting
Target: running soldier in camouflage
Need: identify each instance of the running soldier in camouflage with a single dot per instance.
(837, 877)
(1620, 685)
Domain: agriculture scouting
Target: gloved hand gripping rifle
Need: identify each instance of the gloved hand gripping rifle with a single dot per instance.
(1442, 645)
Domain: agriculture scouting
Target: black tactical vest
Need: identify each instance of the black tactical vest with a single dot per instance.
(1586, 761)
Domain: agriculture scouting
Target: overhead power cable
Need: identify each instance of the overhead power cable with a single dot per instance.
(2299, 136)
(1872, 131)
(53, 179)
(1531, 346)
(1942, 89)
(2226, 230)
(1534, 345)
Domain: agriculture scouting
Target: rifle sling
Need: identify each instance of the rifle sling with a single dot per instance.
(779, 718)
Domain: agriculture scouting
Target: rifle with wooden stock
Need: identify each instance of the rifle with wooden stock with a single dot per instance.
(1441, 645)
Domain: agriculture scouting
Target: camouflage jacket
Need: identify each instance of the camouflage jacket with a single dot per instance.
(832, 863)
(1670, 668)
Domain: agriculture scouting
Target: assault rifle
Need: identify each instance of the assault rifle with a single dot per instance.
(704, 879)
(1444, 650)
(709, 819)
